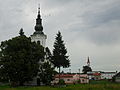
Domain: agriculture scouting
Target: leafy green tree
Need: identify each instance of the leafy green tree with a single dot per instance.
(59, 58)
(61, 82)
(48, 54)
(19, 59)
(86, 69)
(47, 73)
(47, 69)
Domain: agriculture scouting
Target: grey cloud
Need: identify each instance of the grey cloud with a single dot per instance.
(89, 27)
(101, 25)
(108, 14)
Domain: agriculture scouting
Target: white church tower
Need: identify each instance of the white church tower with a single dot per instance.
(39, 36)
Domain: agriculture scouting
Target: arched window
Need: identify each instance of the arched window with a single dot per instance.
(38, 42)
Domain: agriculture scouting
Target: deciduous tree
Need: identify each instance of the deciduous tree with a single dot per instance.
(86, 69)
(19, 59)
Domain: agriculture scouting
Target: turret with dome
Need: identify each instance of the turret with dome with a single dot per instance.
(38, 35)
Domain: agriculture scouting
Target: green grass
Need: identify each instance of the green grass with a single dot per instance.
(71, 87)
(100, 85)
(100, 82)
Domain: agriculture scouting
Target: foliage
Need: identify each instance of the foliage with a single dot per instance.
(19, 60)
(46, 73)
(61, 82)
(60, 59)
(86, 69)
(46, 70)
(48, 54)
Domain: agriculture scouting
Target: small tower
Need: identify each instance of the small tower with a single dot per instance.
(88, 62)
(39, 36)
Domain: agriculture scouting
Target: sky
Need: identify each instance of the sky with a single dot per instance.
(89, 28)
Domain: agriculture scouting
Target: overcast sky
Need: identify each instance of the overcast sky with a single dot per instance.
(89, 28)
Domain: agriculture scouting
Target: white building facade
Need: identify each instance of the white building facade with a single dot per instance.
(107, 75)
(39, 37)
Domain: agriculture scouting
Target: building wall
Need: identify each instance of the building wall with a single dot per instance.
(74, 79)
(84, 78)
(39, 37)
(107, 75)
(42, 38)
(67, 80)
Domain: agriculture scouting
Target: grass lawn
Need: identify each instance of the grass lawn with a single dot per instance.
(102, 85)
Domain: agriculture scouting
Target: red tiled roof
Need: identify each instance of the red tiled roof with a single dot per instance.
(64, 75)
(96, 74)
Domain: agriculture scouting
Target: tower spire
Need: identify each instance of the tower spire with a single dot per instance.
(38, 9)
(88, 61)
(39, 36)
(38, 26)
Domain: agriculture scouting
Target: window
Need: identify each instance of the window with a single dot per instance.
(68, 79)
(38, 42)
(83, 80)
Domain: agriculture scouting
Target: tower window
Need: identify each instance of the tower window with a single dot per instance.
(38, 42)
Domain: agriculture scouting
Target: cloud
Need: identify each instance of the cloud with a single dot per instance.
(89, 27)
(98, 22)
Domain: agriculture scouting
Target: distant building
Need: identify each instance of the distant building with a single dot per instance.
(71, 78)
(94, 75)
(99, 75)
(84, 78)
(107, 75)
(117, 77)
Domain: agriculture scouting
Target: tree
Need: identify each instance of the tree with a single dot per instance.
(86, 69)
(59, 58)
(19, 60)
(46, 73)
(47, 70)
(48, 54)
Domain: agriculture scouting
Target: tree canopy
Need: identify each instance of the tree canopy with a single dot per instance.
(46, 73)
(60, 58)
(19, 59)
(86, 69)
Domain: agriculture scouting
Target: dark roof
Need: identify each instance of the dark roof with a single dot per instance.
(117, 75)
(108, 72)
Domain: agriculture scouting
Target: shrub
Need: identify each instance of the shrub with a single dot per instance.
(61, 82)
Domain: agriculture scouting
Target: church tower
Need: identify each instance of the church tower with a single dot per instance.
(39, 36)
(88, 62)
